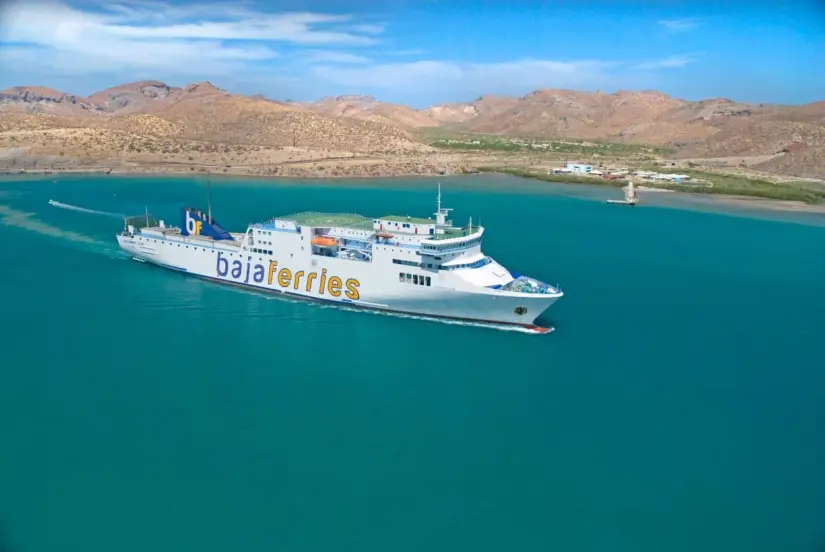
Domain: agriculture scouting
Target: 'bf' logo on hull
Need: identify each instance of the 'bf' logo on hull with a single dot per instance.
(193, 226)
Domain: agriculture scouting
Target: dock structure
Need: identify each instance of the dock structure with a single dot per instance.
(630, 197)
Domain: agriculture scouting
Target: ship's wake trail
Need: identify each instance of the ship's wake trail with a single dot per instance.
(29, 221)
(83, 209)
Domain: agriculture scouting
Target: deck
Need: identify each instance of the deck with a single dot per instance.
(339, 220)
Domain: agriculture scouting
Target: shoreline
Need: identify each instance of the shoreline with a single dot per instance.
(750, 202)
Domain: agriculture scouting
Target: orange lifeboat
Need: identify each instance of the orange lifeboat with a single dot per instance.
(324, 241)
(383, 235)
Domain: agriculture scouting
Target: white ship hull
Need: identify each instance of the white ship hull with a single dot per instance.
(395, 277)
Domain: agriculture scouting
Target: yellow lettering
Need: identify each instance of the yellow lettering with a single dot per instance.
(352, 289)
(323, 281)
(334, 286)
(298, 278)
(198, 225)
(283, 277)
(272, 266)
(310, 278)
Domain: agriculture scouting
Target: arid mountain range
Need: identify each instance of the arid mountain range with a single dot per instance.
(204, 113)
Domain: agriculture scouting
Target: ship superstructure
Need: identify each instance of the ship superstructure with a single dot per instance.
(402, 264)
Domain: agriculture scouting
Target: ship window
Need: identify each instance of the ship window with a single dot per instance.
(401, 277)
(428, 280)
(409, 278)
(421, 280)
(415, 278)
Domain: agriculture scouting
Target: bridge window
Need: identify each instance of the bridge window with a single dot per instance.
(407, 263)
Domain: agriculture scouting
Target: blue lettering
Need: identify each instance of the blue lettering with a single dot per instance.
(248, 268)
(237, 269)
(259, 274)
(222, 271)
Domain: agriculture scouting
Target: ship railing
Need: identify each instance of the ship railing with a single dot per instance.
(523, 284)
(141, 221)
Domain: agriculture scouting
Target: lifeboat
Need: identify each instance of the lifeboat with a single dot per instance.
(324, 241)
(383, 235)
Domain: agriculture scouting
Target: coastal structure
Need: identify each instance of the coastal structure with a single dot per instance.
(399, 264)
(579, 168)
(629, 196)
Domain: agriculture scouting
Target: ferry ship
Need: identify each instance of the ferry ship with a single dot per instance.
(401, 264)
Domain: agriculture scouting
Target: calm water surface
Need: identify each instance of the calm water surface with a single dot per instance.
(679, 406)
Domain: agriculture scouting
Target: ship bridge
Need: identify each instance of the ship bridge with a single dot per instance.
(452, 241)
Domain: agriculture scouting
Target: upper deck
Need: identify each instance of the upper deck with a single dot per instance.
(354, 221)
(351, 221)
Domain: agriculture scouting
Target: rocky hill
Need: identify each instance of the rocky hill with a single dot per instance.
(367, 108)
(200, 112)
(39, 99)
(716, 128)
(713, 128)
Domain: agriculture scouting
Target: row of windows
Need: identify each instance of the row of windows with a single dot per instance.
(407, 263)
(452, 247)
(261, 251)
(164, 242)
(414, 279)
(478, 264)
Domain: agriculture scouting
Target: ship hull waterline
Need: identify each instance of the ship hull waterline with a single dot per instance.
(278, 293)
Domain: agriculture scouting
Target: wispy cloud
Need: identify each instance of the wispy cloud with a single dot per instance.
(673, 62)
(327, 56)
(518, 74)
(210, 39)
(410, 52)
(239, 47)
(679, 25)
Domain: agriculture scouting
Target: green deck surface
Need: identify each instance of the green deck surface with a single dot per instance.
(342, 220)
(405, 219)
(358, 222)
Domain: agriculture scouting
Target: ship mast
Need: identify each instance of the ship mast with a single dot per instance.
(440, 213)
(208, 202)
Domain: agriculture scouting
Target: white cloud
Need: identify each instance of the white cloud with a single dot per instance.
(411, 52)
(326, 56)
(679, 25)
(240, 49)
(210, 39)
(673, 62)
(524, 74)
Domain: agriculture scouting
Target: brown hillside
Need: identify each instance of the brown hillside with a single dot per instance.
(39, 99)
(203, 112)
(368, 108)
(133, 97)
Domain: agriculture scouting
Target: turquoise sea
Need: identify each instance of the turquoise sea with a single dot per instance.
(679, 405)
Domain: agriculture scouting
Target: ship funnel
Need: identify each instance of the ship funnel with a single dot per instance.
(195, 223)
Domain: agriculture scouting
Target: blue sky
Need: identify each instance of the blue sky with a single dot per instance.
(422, 52)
